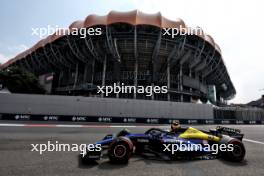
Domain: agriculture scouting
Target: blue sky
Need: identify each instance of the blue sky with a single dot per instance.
(18, 17)
(235, 25)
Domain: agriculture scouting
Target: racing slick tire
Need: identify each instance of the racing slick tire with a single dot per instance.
(120, 150)
(237, 154)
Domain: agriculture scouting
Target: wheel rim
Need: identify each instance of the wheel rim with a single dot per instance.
(237, 151)
(120, 151)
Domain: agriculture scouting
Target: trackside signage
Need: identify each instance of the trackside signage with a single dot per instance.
(101, 119)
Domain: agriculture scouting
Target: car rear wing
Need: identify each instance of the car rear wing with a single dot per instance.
(232, 132)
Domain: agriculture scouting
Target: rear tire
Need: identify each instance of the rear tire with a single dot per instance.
(120, 150)
(237, 154)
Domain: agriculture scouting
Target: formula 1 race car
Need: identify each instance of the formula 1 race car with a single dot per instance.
(188, 142)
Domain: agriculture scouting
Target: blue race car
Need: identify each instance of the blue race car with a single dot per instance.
(185, 143)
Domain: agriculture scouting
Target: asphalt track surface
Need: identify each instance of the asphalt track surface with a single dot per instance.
(16, 157)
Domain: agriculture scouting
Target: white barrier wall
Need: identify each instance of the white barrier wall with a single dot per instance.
(91, 106)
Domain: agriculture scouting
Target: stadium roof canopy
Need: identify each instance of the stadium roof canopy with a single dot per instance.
(133, 18)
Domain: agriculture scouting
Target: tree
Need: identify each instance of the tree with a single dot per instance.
(18, 80)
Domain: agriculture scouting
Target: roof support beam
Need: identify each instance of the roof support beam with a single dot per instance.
(89, 44)
(38, 59)
(197, 55)
(112, 45)
(177, 51)
(103, 73)
(168, 80)
(75, 50)
(58, 56)
(29, 67)
(136, 61)
(49, 59)
(185, 57)
(135, 43)
(155, 52)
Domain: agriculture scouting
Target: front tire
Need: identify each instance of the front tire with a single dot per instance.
(120, 150)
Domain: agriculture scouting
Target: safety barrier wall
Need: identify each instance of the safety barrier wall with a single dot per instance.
(94, 106)
(109, 110)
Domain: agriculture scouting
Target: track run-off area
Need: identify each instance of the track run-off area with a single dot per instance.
(16, 157)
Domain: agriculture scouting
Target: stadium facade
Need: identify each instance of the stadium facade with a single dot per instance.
(131, 49)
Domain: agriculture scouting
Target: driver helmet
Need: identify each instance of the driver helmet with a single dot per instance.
(175, 126)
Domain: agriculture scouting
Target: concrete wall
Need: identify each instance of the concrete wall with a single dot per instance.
(91, 106)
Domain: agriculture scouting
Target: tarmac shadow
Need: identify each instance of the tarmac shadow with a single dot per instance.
(105, 164)
(235, 164)
(102, 164)
(83, 165)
